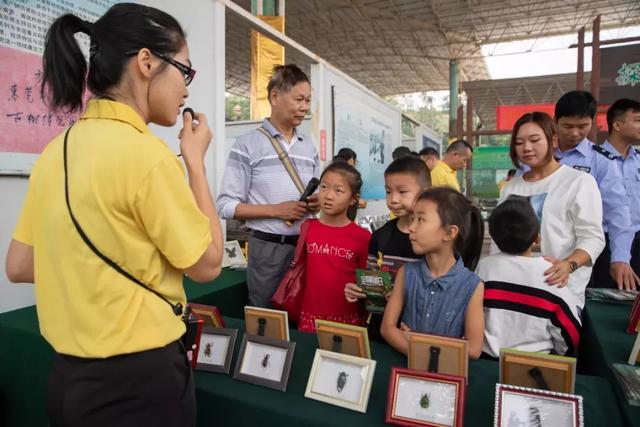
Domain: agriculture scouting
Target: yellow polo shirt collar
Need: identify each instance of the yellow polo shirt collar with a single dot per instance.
(447, 168)
(113, 110)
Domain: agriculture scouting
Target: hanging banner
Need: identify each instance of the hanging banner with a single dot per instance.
(619, 73)
(507, 115)
(26, 124)
(265, 54)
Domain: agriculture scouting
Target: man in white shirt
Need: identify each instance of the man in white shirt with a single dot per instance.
(257, 188)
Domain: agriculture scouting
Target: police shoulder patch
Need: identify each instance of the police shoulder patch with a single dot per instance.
(586, 169)
(609, 155)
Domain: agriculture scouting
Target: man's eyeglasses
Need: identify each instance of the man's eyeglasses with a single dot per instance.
(188, 72)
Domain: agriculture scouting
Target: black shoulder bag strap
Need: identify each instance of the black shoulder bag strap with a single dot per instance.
(176, 308)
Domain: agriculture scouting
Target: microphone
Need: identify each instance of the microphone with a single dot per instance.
(312, 186)
(192, 113)
(195, 123)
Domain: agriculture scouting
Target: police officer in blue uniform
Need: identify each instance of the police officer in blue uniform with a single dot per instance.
(623, 120)
(575, 113)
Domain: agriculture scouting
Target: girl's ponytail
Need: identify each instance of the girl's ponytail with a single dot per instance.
(472, 244)
(63, 64)
(455, 209)
(117, 36)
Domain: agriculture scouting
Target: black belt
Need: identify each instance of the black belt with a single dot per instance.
(275, 238)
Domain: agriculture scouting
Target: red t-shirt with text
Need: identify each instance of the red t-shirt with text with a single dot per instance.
(332, 256)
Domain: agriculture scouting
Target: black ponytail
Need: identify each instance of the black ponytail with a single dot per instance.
(63, 64)
(472, 248)
(455, 209)
(115, 37)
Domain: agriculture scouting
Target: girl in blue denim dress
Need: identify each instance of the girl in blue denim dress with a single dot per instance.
(440, 294)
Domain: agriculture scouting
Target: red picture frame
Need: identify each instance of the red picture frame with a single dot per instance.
(574, 400)
(210, 314)
(634, 317)
(394, 407)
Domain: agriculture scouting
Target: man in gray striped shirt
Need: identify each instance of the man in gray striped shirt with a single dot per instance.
(257, 188)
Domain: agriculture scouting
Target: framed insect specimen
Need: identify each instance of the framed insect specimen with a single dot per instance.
(266, 322)
(343, 338)
(438, 354)
(341, 380)
(210, 314)
(521, 406)
(216, 349)
(265, 361)
(233, 256)
(419, 398)
(537, 370)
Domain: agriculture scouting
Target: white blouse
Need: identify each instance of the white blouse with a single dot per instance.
(569, 207)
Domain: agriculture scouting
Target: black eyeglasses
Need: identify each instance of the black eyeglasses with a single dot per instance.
(188, 72)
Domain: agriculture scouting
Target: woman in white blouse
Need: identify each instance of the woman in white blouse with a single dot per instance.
(567, 203)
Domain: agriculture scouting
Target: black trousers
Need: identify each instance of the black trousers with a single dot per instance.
(600, 276)
(149, 388)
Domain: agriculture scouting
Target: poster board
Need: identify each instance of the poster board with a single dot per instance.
(26, 124)
(369, 132)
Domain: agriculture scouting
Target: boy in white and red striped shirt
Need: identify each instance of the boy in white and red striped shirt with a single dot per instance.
(521, 310)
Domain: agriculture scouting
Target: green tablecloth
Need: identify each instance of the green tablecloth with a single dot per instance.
(25, 362)
(223, 401)
(605, 342)
(228, 292)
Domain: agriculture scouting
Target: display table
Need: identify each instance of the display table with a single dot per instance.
(25, 361)
(605, 342)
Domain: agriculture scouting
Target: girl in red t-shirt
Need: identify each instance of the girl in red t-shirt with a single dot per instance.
(335, 247)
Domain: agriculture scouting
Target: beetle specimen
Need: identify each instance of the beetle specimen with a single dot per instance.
(342, 381)
(231, 252)
(207, 349)
(265, 361)
(424, 401)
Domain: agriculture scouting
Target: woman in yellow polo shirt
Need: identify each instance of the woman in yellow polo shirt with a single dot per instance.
(119, 359)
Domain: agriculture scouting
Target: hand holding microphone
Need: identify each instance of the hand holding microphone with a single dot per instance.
(195, 137)
(312, 186)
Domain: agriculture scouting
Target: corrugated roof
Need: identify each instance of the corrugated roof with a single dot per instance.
(402, 46)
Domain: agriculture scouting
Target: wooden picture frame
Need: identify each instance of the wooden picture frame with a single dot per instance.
(265, 362)
(419, 398)
(634, 357)
(634, 317)
(343, 338)
(537, 370)
(267, 322)
(210, 314)
(216, 349)
(341, 380)
(438, 354)
(515, 405)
